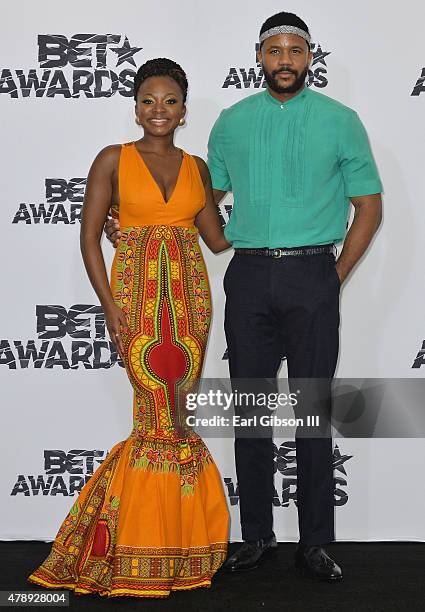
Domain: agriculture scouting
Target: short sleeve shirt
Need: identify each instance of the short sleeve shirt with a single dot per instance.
(292, 168)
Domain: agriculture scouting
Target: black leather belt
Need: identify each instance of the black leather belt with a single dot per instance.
(284, 252)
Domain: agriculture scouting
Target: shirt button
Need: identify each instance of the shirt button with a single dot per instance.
(282, 106)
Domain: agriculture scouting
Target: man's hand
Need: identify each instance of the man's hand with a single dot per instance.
(112, 231)
(341, 274)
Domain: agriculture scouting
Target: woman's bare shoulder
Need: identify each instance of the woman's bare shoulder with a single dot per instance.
(202, 167)
(108, 157)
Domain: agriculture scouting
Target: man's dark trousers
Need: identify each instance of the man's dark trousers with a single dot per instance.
(276, 306)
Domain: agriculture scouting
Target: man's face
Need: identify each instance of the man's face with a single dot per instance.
(285, 59)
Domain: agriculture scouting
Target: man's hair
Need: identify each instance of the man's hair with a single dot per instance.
(161, 66)
(284, 18)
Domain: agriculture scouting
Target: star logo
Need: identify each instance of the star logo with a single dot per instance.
(319, 55)
(339, 460)
(126, 52)
(286, 456)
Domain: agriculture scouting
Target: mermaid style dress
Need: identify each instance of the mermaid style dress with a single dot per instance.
(153, 518)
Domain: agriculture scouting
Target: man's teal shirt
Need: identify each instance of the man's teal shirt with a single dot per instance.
(292, 168)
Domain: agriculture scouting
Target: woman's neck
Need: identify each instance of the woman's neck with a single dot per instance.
(160, 145)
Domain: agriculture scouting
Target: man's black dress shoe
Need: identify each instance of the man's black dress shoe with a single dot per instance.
(317, 564)
(248, 556)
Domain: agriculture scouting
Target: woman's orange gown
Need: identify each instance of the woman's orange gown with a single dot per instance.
(153, 518)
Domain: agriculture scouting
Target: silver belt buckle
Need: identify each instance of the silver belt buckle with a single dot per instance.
(278, 253)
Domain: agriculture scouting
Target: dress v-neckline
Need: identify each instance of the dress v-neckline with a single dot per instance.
(139, 155)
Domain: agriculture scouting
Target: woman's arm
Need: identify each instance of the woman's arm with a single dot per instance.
(97, 201)
(208, 220)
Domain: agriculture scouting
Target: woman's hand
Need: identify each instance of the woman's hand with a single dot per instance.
(116, 322)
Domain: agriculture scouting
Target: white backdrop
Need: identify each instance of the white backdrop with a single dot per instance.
(365, 58)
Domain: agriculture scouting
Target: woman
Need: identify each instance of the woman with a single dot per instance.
(153, 518)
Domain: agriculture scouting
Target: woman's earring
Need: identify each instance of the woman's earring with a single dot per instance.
(136, 119)
(182, 121)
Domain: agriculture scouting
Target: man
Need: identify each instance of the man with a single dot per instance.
(294, 160)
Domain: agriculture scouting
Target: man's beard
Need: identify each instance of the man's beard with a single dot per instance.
(296, 85)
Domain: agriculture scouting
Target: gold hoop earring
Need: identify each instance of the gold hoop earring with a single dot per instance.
(182, 121)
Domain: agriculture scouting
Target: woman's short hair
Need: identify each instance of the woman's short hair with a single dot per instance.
(161, 66)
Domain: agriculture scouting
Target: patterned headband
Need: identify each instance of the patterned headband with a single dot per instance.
(285, 29)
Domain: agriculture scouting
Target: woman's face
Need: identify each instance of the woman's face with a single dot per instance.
(159, 105)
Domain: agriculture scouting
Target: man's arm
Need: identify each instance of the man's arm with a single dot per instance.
(367, 218)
